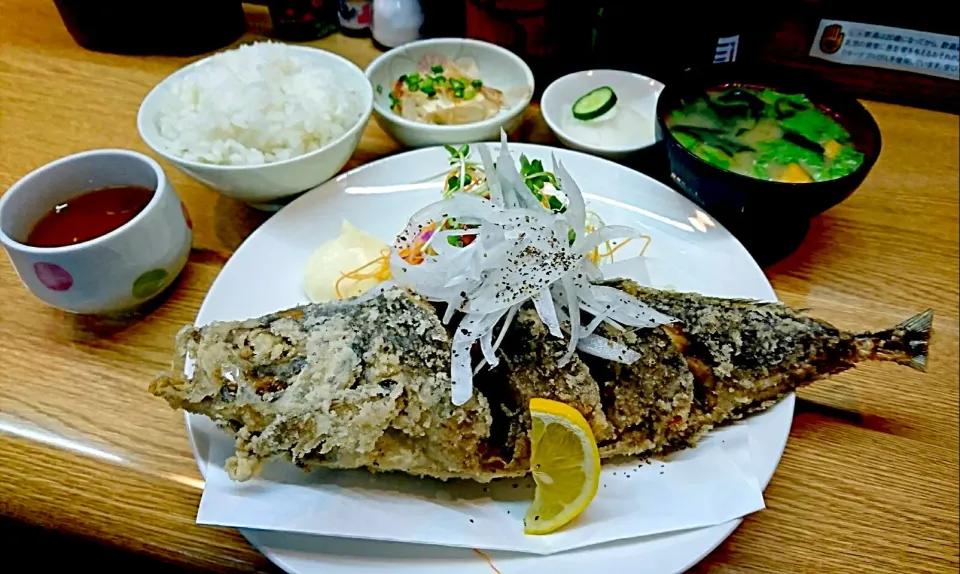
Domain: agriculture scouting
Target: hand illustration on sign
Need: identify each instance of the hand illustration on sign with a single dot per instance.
(832, 39)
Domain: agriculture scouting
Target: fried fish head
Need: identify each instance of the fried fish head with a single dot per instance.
(346, 385)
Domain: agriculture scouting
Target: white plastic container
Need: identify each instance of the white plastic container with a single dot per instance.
(396, 22)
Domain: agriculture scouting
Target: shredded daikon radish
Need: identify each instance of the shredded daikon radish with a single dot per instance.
(543, 303)
(606, 349)
(521, 251)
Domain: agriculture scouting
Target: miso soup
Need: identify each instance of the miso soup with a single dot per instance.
(762, 133)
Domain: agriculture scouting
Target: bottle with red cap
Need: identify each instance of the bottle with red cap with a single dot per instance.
(355, 17)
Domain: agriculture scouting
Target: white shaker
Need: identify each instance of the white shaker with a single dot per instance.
(396, 22)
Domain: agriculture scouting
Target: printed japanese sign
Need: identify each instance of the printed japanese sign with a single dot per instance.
(886, 47)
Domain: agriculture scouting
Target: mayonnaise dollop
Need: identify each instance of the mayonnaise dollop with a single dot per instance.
(346, 252)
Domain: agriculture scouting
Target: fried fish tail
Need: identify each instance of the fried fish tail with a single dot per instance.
(741, 356)
(906, 344)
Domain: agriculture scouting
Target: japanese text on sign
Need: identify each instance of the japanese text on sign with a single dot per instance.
(886, 47)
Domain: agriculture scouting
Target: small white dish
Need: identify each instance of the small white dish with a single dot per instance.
(114, 272)
(499, 68)
(260, 185)
(629, 127)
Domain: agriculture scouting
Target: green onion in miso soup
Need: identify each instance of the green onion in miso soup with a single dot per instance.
(765, 134)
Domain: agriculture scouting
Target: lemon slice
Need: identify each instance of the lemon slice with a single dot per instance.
(565, 464)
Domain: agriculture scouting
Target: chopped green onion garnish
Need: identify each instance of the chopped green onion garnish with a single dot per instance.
(477, 84)
(456, 83)
(379, 89)
(427, 87)
(469, 94)
(436, 69)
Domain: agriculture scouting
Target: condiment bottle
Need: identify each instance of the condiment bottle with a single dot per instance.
(355, 17)
(303, 20)
(443, 19)
(710, 34)
(552, 36)
(396, 22)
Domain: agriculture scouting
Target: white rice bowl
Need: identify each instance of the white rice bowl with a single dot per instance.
(258, 104)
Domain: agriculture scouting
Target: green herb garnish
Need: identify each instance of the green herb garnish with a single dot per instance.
(469, 94)
(393, 100)
(536, 177)
(412, 81)
(477, 84)
(379, 89)
(436, 69)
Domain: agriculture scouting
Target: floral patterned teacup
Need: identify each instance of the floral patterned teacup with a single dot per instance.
(114, 272)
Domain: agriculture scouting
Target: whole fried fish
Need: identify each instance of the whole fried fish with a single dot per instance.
(366, 383)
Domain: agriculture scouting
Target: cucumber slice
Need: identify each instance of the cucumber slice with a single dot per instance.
(594, 103)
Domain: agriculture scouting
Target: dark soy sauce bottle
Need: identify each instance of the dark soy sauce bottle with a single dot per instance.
(171, 27)
(711, 34)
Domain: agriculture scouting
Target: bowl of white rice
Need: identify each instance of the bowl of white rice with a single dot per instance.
(261, 122)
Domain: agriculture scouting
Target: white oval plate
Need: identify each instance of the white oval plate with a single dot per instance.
(689, 253)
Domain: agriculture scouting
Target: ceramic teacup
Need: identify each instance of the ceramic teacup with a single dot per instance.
(114, 272)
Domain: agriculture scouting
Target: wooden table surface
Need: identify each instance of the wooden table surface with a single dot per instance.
(869, 479)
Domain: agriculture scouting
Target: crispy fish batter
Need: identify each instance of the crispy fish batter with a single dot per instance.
(338, 385)
(366, 384)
